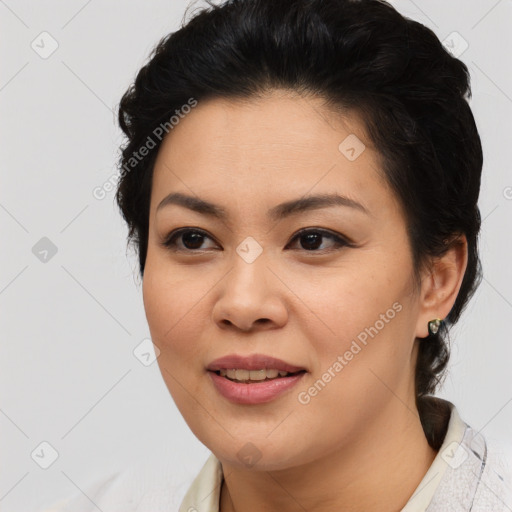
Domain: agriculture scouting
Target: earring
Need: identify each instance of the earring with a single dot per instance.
(433, 326)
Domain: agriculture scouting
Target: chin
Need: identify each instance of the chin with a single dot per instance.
(259, 455)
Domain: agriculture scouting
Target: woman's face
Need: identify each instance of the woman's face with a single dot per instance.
(336, 301)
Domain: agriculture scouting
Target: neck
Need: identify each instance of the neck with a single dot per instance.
(378, 471)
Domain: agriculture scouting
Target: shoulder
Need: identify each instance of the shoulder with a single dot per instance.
(475, 473)
(493, 488)
(84, 500)
(141, 487)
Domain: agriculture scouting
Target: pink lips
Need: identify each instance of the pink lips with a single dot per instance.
(256, 392)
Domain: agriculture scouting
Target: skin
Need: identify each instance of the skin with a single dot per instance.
(358, 445)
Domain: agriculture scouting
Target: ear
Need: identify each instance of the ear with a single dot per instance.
(440, 285)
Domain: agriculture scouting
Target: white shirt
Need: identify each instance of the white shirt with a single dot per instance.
(464, 477)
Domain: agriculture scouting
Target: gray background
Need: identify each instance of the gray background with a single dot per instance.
(70, 324)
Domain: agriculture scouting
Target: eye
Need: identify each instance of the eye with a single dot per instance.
(311, 239)
(192, 239)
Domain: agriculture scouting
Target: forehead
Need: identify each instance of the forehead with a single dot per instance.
(280, 144)
(277, 121)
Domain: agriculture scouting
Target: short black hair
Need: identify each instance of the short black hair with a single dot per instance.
(358, 55)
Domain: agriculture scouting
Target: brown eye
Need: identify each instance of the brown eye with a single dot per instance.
(191, 240)
(311, 240)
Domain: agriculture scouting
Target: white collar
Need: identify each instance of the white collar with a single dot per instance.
(448, 451)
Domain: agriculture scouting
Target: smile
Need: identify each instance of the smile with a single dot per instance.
(241, 375)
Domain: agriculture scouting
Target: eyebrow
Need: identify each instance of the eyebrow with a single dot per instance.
(278, 212)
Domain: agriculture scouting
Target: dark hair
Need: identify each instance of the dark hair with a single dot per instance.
(360, 56)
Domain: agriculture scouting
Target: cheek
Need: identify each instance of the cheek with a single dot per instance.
(345, 302)
(173, 312)
(174, 316)
(362, 357)
(362, 325)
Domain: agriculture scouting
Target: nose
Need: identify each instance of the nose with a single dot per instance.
(251, 297)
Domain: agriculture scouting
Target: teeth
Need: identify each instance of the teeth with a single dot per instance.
(243, 375)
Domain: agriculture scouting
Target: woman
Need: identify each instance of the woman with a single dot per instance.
(300, 182)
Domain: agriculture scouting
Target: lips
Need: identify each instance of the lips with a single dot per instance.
(252, 362)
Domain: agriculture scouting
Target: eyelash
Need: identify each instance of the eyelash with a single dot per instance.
(170, 240)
